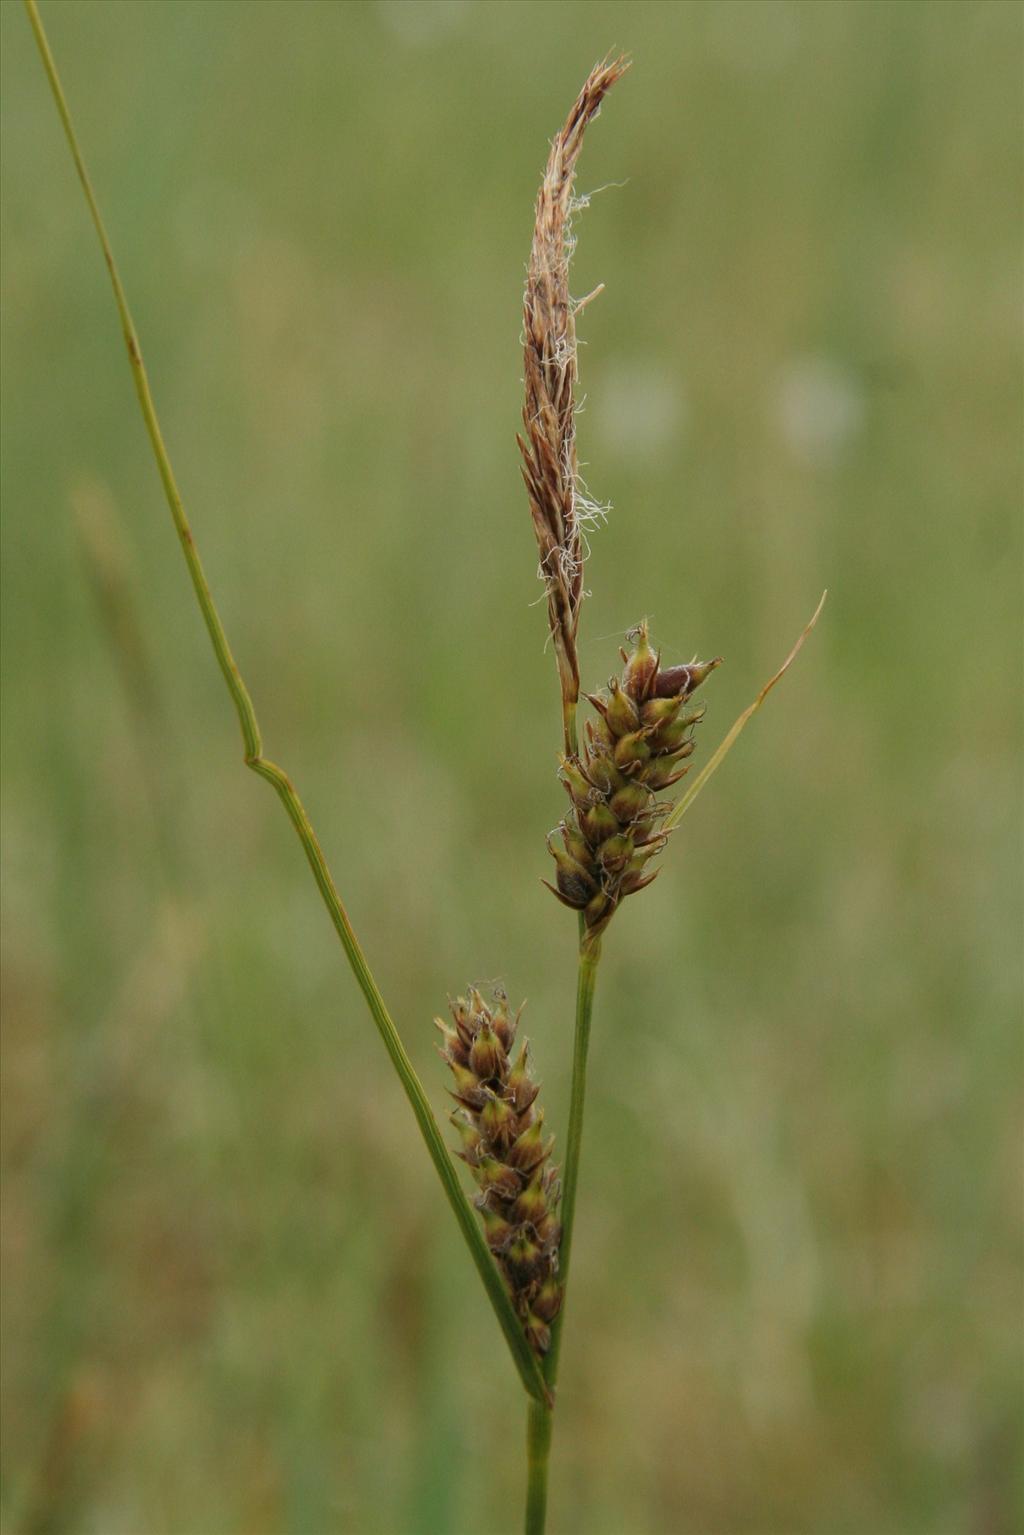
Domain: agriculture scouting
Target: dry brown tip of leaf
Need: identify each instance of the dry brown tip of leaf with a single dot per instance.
(550, 468)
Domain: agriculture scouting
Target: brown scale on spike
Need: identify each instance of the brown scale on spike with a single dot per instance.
(637, 746)
(504, 1146)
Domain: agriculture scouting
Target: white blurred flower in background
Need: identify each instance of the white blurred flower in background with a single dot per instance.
(820, 407)
(421, 21)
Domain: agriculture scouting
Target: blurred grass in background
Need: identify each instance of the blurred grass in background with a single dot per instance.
(234, 1299)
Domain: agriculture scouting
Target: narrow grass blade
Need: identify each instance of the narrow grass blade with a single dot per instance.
(726, 746)
(522, 1354)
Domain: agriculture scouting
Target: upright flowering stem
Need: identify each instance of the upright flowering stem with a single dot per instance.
(561, 510)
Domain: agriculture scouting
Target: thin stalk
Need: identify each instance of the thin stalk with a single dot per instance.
(538, 1452)
(540, 1421)
(519, 1347)
(590, 955)
(572, 744)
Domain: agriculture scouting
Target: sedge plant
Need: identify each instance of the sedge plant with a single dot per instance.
(518, 1225)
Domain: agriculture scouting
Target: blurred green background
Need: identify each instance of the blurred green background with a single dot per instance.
(234, 1299)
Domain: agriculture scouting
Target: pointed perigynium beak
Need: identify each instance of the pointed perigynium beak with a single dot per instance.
(503, 1143)
(637, 746)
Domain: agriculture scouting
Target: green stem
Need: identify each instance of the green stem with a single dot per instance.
(539, 1422)
(572, 744)
(538, 1451)
(590, 955)
(511, 1326)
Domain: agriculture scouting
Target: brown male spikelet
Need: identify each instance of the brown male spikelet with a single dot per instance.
(504, 1146)
(559, 507)
(636, 747)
